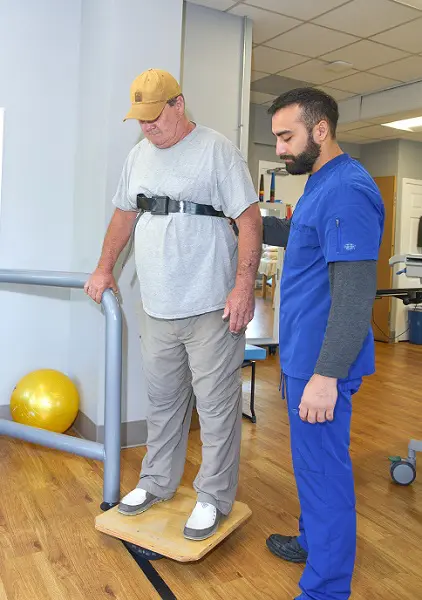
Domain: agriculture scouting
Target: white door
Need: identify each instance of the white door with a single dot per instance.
(409, 214)
(288, 189)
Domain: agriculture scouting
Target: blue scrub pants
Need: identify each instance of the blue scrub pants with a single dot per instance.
(325, 484)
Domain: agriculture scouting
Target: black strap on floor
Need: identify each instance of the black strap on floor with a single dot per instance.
(151, 574)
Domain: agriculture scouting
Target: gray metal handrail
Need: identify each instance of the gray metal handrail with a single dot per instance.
(109, 452)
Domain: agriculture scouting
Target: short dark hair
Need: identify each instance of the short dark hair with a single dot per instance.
(315, 104)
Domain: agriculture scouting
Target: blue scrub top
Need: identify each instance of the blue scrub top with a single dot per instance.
(340, 217)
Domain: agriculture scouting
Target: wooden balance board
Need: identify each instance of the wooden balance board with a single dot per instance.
(160, 528)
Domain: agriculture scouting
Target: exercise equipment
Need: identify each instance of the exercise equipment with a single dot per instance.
(403, 470)
(109, 452)
(45, 398)
(252, 354)
(158, 532)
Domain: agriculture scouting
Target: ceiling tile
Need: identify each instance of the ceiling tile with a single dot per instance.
(218, 4)
(260, 98)
(276, 85)
(377, 131)
(355, 126)
(405, 70)
(406, 37)
(336, 94)
(398, 116)
(256, 75)
(365, 18)
(407, 135)
(311, 40)
(349, 137)
(362, 83)
(266, 25)
(272, 61)
(305, 9)
(413, 3)
(365, 55)
(313, 71)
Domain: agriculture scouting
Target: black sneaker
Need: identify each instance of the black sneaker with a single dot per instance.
(287, 548)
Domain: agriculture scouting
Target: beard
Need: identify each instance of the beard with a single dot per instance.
(303, 163)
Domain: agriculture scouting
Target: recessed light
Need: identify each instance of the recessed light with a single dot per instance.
(413, 125)
(338, 66)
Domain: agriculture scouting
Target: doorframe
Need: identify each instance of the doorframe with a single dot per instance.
(390, 329)
(401, 281)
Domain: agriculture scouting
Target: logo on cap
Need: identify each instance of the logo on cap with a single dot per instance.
(138, 96)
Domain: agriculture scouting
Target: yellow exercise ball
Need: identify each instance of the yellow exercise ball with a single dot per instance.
(47, 399)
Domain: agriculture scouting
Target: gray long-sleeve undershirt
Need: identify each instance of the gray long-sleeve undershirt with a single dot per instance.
(353, 290)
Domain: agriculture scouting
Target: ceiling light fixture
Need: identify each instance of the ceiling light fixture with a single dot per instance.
(413, 125)
(338, 66)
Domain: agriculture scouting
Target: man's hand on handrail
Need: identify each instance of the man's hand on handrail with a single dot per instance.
(98, 282)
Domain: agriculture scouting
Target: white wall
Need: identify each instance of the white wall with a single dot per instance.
(39, 62)
(65, 74)
(212, 70)
(381, 158)
(114, 50)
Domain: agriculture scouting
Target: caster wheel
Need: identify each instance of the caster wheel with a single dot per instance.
(403, 472)
(107, 505)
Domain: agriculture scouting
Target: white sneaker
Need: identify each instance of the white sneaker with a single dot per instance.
(203, 522)
(137, 501)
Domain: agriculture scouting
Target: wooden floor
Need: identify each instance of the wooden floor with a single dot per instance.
(49, 549)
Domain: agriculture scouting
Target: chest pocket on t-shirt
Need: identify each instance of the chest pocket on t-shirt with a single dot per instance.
(303, 247)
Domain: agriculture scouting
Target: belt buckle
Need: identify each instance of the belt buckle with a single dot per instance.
(142, 202)
(160, 205)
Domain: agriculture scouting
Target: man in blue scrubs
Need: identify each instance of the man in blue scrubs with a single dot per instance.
(327, 291)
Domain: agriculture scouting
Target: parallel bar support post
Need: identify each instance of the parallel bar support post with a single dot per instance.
(112, 406)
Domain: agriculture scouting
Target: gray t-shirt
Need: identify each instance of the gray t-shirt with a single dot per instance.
(186, 264)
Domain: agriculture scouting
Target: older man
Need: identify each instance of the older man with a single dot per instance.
(197, 290)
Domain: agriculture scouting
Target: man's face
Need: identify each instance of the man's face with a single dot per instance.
(163, 131)
(295, 144)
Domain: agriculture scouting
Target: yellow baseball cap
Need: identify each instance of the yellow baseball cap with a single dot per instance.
(149, 94)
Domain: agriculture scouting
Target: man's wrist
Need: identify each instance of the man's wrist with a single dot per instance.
(104, 268)
(245, 282)
(326, 378)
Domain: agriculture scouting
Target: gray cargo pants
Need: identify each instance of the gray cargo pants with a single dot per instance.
(183, 359)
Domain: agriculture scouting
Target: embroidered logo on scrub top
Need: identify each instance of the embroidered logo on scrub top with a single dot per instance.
(349, 247)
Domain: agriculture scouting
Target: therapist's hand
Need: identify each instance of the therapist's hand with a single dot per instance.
(240, 307)
(319, 399)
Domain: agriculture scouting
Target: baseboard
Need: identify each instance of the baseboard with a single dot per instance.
(85, 427)
(132, 434)
(5, 412)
